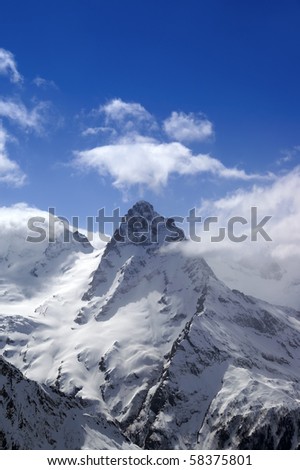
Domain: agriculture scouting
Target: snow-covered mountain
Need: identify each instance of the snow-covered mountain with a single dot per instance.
(150, 340)
(27, 268)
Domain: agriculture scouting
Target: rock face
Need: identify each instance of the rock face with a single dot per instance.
(153, 342)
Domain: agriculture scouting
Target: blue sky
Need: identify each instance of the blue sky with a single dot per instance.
(105, 102)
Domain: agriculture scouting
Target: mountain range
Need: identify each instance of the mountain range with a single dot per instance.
(139, 345)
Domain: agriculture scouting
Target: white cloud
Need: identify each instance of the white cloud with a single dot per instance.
(15, 111)
(18, 112)
(10, 172)
(134, 154)
(8, 66)
(98, 130)
(288, 155)
(120, 118)
(139, 160)
(188, 127)
(118, 110)
(269, 270)
(43, 83)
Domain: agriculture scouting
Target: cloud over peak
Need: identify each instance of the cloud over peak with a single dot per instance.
(266, 269)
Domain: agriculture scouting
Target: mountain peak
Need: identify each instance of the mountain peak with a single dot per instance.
(142, 209)
(143, 225)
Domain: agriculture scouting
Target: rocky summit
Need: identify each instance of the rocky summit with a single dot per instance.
(143, 225)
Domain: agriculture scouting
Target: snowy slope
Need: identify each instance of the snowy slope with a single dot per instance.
(230, 381)
(35, 417)
(29, 267)
(152, 340)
